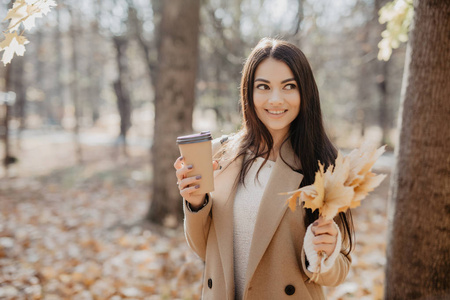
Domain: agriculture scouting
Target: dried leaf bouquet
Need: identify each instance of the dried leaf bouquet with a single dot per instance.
(339, 187)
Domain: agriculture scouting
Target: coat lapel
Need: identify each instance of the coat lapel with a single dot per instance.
(222, 211)
(272, 207)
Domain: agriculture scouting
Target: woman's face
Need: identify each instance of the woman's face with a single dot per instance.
(276, 96)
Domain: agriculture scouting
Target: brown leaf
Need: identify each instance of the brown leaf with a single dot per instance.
(361, 162)
(313, 197)
(370, 182)
(292, 201)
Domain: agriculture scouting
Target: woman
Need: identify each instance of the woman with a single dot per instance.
(252, 245)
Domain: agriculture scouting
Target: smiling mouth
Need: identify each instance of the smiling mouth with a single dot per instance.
(276, 112)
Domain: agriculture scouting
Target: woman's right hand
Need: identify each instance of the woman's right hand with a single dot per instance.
(188, 185)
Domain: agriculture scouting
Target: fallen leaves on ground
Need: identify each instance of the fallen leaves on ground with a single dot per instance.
(77, 233)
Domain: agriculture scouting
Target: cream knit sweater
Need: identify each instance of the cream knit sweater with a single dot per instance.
(246, 205)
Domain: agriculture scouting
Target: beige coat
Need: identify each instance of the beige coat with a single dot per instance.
(276, 267)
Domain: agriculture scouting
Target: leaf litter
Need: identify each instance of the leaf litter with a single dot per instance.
(78, 233)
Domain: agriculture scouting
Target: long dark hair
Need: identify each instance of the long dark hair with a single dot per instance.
(306, 133)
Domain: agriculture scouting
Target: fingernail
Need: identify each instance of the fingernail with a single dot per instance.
(181, 158)
(315, 223)
(197, 186)
(190, 167)
(198, 177)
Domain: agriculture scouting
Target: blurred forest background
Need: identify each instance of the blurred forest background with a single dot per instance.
(94, 64)
(77, 179)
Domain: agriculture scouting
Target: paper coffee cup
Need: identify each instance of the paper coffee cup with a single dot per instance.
(197, 151)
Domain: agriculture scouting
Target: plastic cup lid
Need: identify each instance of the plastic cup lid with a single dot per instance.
(203, 136)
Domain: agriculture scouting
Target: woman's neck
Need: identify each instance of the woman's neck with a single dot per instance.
(277, 142)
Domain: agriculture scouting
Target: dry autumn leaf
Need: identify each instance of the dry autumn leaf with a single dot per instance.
(17, 14)
(341, 186)
(337, 195)
(361, 162)
(13, 44)
(24, 13)
(311, 195)
(315, 200)
(370, 182)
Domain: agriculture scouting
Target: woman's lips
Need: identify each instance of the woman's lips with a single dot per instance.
(276, 113)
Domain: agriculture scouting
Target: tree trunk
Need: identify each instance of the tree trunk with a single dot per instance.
(418, 256)
(15, 80)
(382, 73)
(364, 80)
(149, 49)
(19, 87)
(6, 139)
(74, 86)
(97, 57)
(43, 105)
(383, 111)
(60, 85)
(94, 72)
(298, 22)
(120, 87)
(174, 102)
(7, 111)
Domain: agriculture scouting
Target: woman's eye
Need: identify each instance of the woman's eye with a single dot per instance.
(290, 86)
(262, 87)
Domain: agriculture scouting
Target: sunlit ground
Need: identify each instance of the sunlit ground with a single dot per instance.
(70, 231)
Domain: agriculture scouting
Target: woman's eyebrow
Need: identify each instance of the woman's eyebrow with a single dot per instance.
(287, 80)
(267, 81)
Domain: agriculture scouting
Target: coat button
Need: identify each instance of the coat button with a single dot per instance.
(210, 283)
(289, 290)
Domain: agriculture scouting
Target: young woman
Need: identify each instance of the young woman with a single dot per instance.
(252, 245)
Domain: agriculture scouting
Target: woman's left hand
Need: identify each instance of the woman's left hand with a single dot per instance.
(325, 235)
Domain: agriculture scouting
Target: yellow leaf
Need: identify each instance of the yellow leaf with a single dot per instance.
(49, 272)
(13, 44)
(33, 12)
(355, 204)
(372, 157)
(361, 161)
(292, 201)
(370, 182)
(26, 14)
(343, 209)
(343, 185)
(313, 195)
(77, 277)
(32, 9)
(17, 13)
(8, 39)
(44, 6)
(337, 195)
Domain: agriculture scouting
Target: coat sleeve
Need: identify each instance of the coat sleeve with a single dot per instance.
(337, 273)
(196, 227)
(197, 224)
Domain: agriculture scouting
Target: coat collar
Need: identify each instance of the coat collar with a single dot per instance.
(272, 206)
(222, 213)
(270, 213)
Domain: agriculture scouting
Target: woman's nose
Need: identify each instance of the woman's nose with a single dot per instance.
(275, 98)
